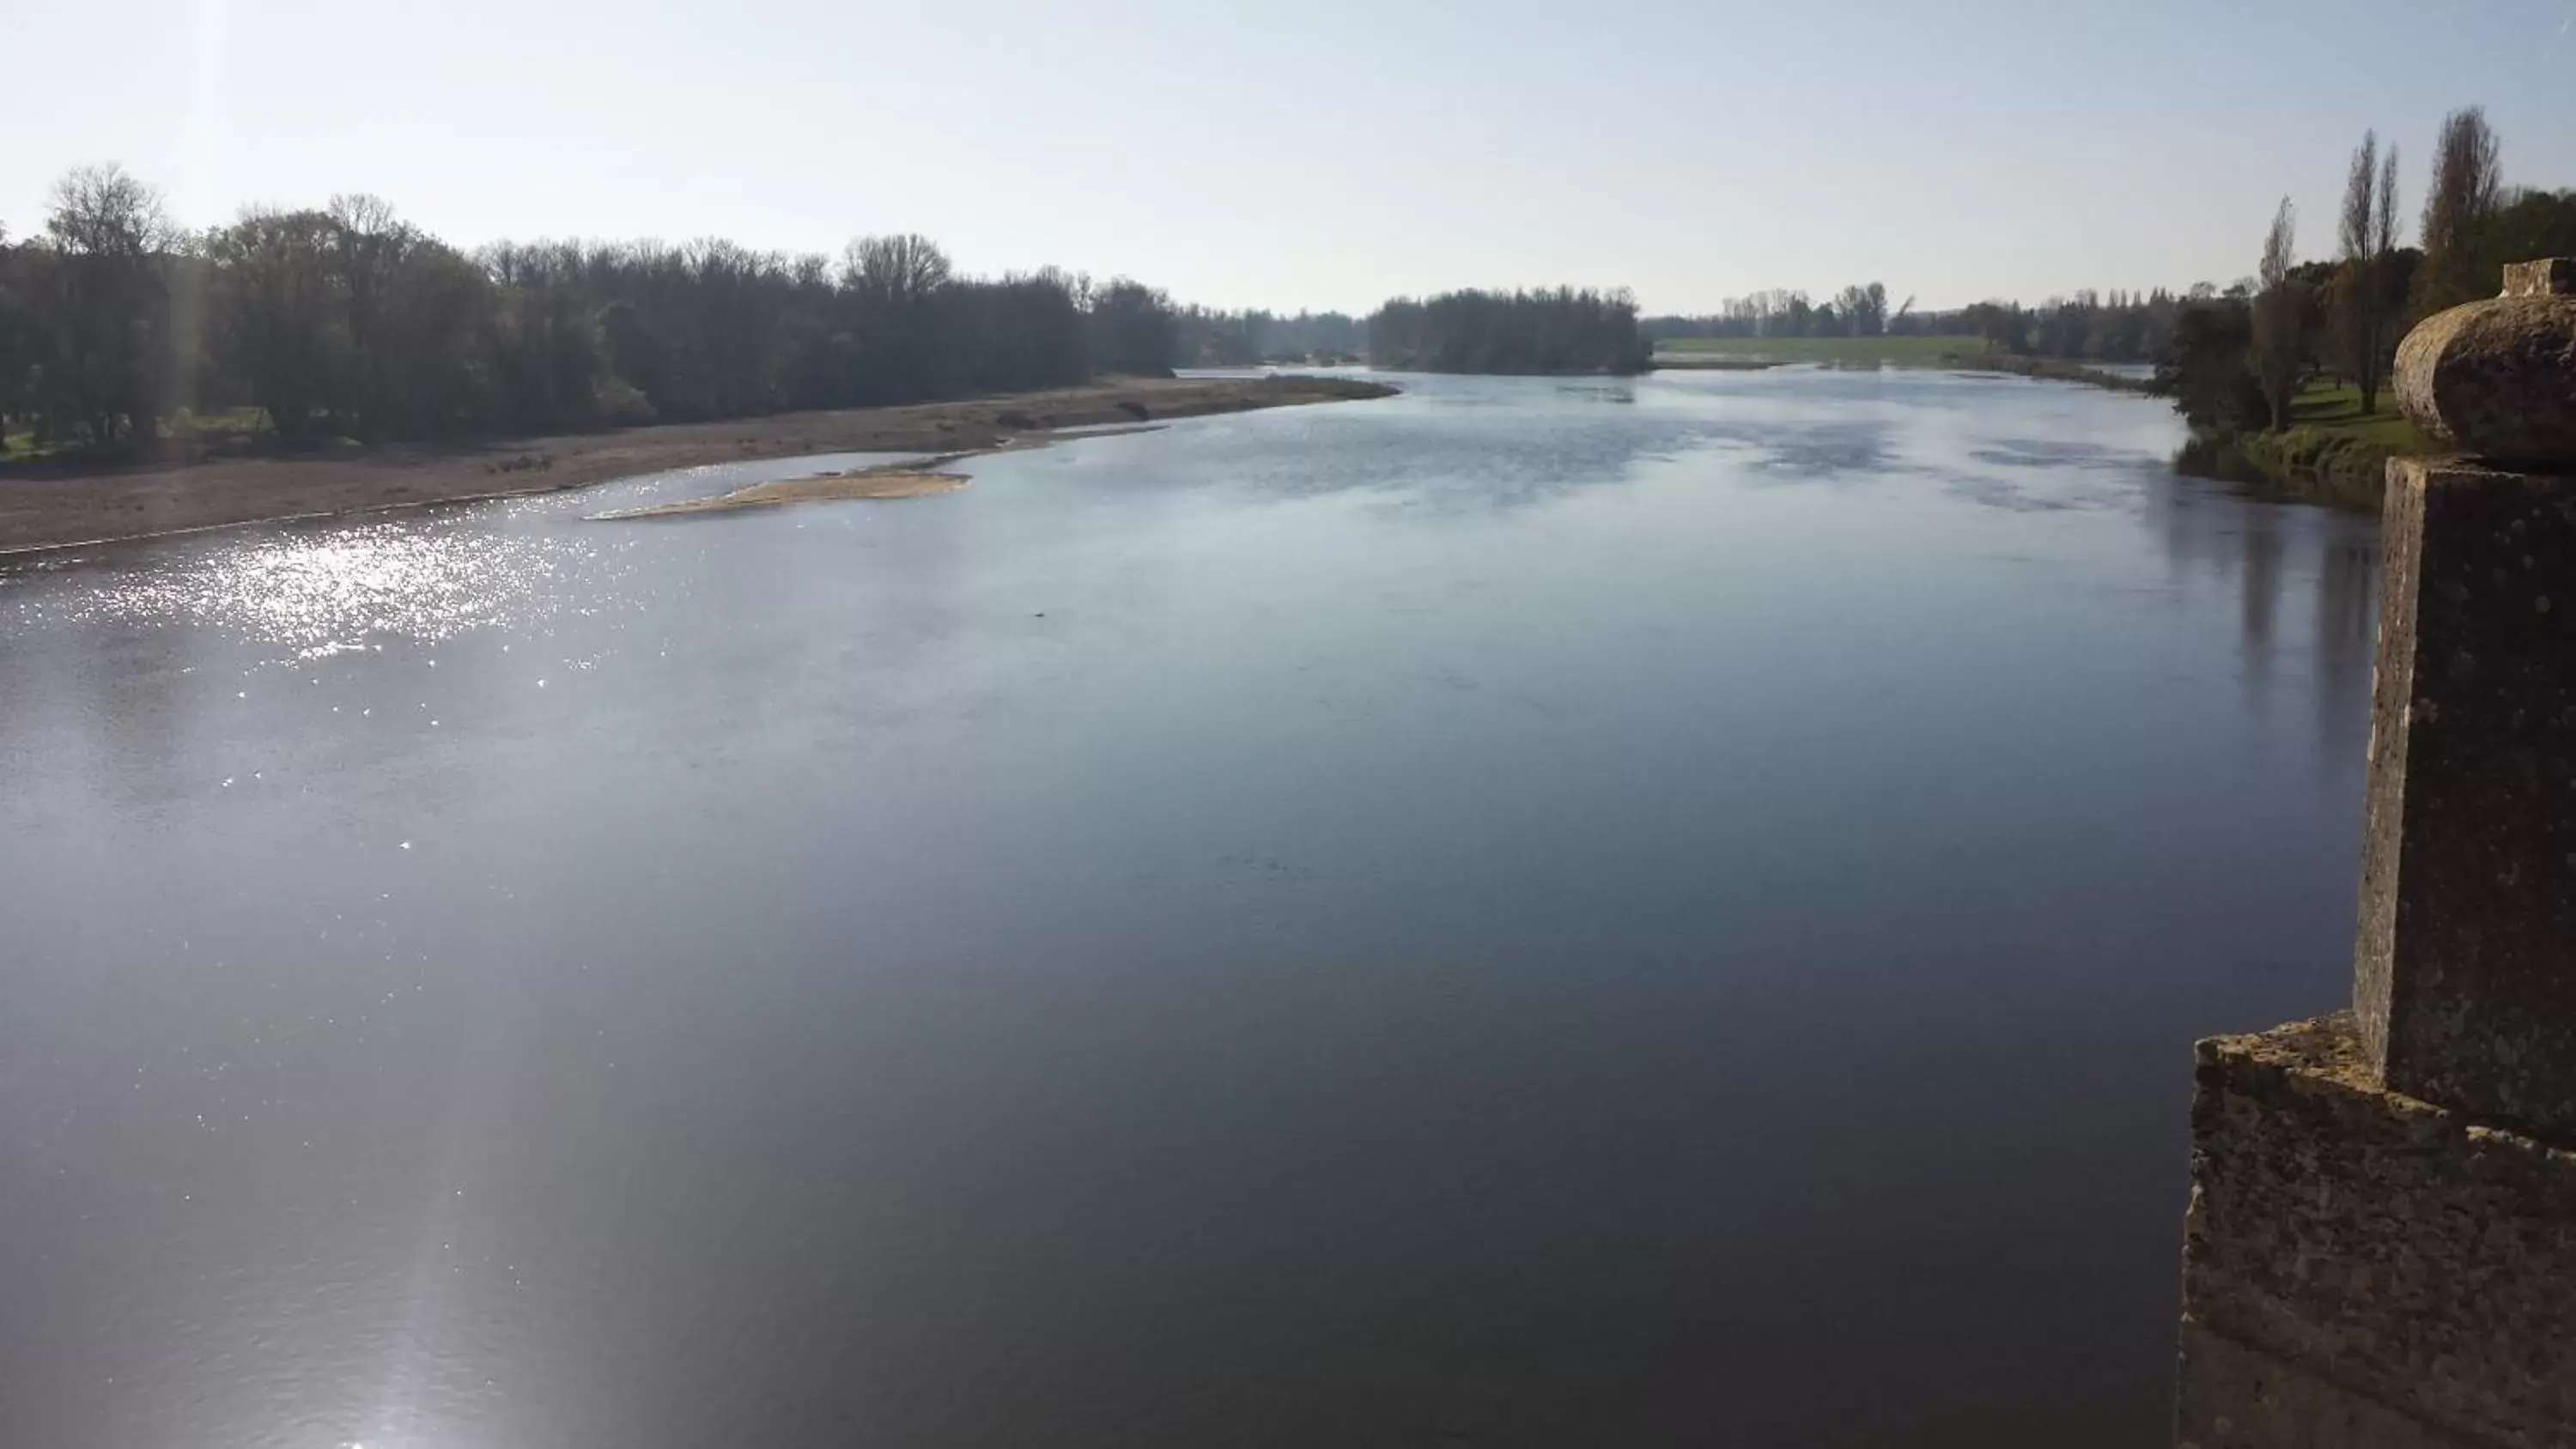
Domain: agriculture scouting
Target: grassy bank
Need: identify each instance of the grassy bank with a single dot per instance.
(2331, 453)
(185, 435)
(2058, 370)
(1963, 353)
(1713, 362)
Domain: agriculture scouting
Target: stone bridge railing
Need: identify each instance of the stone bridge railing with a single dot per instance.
(2381, 1245)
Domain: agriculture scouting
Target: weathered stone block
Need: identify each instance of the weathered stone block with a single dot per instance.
(2414, 1273)
(2464, 972)
(2235, 1396)
(2546, 277)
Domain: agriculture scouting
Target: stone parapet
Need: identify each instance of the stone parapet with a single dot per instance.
(2365, 1269)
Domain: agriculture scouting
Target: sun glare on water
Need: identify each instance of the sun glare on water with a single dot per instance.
(336, 591)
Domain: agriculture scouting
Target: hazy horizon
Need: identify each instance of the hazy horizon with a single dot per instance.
(1324, 157)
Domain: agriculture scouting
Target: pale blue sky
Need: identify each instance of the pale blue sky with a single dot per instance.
(1312, 153)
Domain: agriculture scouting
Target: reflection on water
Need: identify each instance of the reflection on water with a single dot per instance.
(2347, 618)
(2286, 560)
(2055, 454)
(1534, 912)
(321, 591)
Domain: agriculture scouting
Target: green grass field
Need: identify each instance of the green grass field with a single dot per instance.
(211, 427)
(1922, 350)
(2335, 409)
(2330, 453)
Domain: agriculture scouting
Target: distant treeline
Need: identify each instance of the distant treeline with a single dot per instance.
(2089, 326)
(1560, 331)
(348, 321)
(1857, 311)
(2235, 357)
(2086, 327)
(1241, 339)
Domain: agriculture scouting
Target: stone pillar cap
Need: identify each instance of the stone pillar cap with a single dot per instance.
(2546, 277)
(2497, 377)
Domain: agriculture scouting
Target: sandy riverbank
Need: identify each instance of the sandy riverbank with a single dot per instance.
(54, 509)
(913, 478)
(895, 480)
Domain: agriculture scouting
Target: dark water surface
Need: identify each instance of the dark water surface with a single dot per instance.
(1529, 913)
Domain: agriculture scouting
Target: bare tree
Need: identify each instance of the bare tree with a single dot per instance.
(2280, 317)
(16, 345)
(280, 326)
(104, 211)
(894, 271)
(2383, 222)
(891, 284)
(112, 233)
(368, 244)
(2368, 232)
(1863, 309)
(2468, 181)
(2360, 199)
(1133, 329)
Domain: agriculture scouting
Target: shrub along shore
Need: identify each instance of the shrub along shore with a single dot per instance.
(2331, 453)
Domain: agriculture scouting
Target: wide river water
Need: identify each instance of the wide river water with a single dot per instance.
(1535, 912)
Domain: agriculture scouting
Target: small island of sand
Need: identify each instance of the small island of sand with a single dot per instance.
(916, 478)
(900, 480)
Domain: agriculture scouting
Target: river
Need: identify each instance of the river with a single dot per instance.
(1532, 912)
